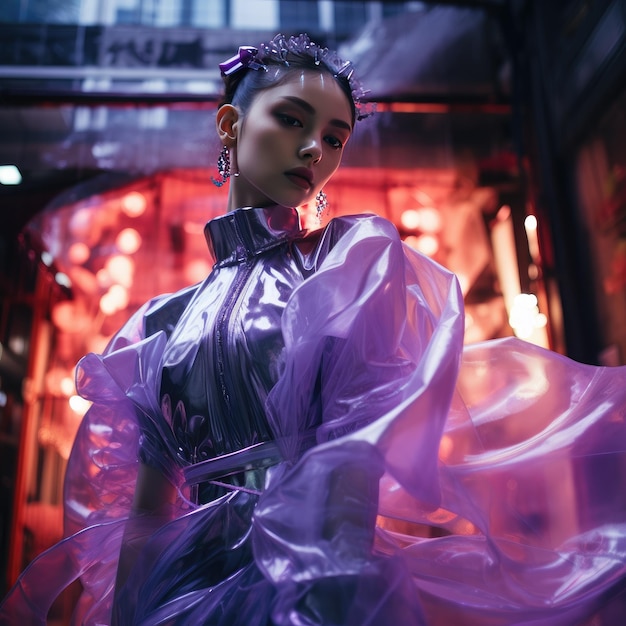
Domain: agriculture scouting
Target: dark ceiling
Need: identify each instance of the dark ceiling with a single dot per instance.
(450, 56)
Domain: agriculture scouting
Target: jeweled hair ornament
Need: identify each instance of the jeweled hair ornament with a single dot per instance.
(278, 49)
(245, 58)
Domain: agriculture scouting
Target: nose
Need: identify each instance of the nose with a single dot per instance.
(310, 149)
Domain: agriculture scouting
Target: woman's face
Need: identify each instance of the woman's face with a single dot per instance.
(290, 142)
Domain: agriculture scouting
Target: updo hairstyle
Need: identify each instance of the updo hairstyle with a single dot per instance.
(273, 63)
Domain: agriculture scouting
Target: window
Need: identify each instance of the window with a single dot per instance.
(350, 17)
(299, 15)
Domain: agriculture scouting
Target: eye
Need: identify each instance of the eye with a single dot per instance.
(289, 120)
(333, 142)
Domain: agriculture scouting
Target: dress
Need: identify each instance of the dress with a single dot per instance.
(339, 456)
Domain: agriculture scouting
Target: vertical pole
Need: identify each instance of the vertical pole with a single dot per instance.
(27, 450)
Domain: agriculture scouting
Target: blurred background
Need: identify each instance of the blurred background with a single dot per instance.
(498, 149)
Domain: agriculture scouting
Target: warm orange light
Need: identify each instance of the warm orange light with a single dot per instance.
(79, 405)
(410, 219)
(78, 253)
(69, 317)
(197, 270)
(67, 386)
(504, 213)
(134, 204)
(430, 220)
(128, 241)
(530, 225)
(530, 222)
(120, 268)
(81, 223)
(54, 381)
(119, 296)
(103, 278)
(107, 304)
(525, 317)
(115, 299)
(63, 315)
(426, 244)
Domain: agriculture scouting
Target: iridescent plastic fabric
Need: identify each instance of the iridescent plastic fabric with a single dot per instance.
(340, 457)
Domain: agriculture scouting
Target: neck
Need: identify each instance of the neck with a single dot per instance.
(234, 202)
(245, 232)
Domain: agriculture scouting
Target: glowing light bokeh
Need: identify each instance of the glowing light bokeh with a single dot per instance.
(107, 304)
(410, 219)
(119, 296)
(79, 405)
(430, 220)
(80, 223)
(196, 270)
(115, 299)
(10, 175)
(426, 244)
(504, 213)
(103, 278)
(128, 241)
(134, 204)
(63, 279)
(530, 223)
(525, 317)
(120, 268)
(67, 386)
(78, 253)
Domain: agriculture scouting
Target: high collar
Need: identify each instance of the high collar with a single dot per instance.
(245, 233)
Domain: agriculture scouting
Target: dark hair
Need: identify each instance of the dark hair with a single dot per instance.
(272, 68)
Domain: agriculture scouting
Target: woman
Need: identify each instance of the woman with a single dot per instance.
(307, 413)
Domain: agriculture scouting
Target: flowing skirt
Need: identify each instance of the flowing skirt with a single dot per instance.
(479, 485)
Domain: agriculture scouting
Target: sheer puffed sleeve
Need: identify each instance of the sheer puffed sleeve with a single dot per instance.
(497, 465)
(122, 385)
(98, 492)
(373, 342)
(102, 469)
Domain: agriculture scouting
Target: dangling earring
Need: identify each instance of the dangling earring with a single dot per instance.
(321, 204)
(223, 167)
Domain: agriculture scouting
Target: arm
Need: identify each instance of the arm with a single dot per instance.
(153, 495)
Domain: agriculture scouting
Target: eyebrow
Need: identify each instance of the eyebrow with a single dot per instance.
(303, 104)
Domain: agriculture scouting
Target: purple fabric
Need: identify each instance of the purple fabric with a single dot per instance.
(243, 59)
(515, 454)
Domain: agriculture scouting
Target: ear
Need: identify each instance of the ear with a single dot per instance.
(227, 123)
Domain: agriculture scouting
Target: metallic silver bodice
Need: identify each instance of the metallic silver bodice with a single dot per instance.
(224, 348)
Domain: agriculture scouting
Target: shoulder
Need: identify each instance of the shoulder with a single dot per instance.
(347, 230)
(163, 312)
(157, 314)
(362, 224)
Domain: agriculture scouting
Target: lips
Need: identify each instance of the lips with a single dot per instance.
(301, 176)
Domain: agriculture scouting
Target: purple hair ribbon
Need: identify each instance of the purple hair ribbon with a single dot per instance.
(245, 58)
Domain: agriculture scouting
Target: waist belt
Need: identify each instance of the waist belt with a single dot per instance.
(258, 456)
